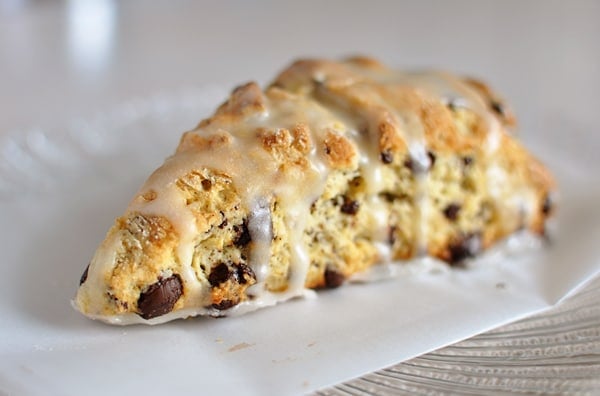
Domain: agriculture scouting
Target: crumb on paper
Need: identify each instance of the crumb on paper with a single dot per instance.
(219, 340)
(500, 285)
(311, 344)
(306, 384)
(241, 345)
(284, 360)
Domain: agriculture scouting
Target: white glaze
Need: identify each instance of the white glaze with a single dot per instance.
(261, 231)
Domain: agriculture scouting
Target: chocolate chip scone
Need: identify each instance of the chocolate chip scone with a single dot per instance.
(335, 168)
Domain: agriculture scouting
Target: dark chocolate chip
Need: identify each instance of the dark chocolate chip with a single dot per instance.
(224, 222)
(547, 206)
(451, 105)
(464, 248)
(388, 196)
(451, 211)
(357, 181)
(387, 157)
(84, 275)
(410, 164)
(333, 278)
(392, 235)
(243, 273)
(498, 107)
(454, 103)
(224, 304)
(160, 297)
(243, 235)
(416, 167)
(206, 184)
(350, 206)
(219, 274)
(313, 207)
(467, 160)
(431, 159)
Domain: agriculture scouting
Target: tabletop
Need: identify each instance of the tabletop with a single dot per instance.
(69, 59)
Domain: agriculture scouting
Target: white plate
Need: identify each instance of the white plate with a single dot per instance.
(61, 189)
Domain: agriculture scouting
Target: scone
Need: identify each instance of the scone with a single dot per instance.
(335, 168)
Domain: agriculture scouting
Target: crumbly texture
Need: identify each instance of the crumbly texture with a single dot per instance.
(463, 200)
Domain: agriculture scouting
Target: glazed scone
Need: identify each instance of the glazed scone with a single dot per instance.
(336, 167)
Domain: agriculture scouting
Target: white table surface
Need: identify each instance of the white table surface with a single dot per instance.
(63, 60)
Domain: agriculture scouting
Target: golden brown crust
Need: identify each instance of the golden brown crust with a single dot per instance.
(247, 98)
(193, 141)
(341, 153)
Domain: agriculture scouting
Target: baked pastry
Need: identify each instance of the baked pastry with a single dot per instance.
(335, 168)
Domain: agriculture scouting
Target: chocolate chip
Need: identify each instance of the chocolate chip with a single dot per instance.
(454, 103)
(206, 184)
(387, 157)
(451, 211)
(410, 164)
(224, 222)
(84, 275)
(467, 160)
(392, 235)
(547, 206)
(464, 248)
(160, 297)
(388, 196)
(357, 182)
(243, 273)
(219, 274)
(243, 235)
(498, 107)
(431, 159)
(333, 278)
(224, 304)
(350, 206)
(416, 167)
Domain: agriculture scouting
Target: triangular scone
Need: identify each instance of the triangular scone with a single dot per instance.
(334, 168)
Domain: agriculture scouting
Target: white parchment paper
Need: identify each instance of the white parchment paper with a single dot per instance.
(60, 191)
